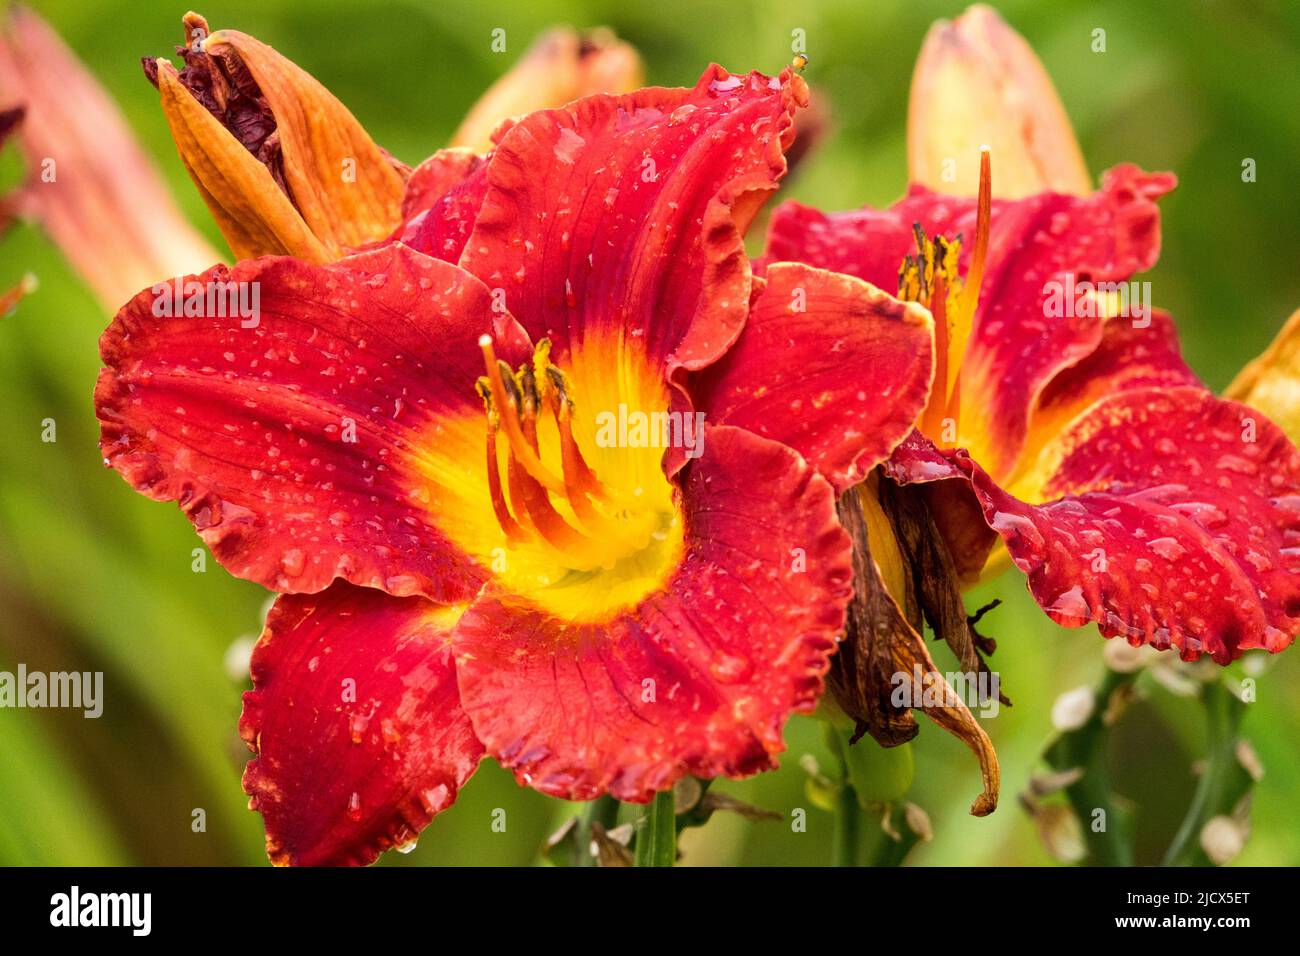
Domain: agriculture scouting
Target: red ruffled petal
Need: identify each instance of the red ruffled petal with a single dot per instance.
(296, 446)
(826, 364)
(356, 723)
(442, 203)
(1129, 357)
(620, 217)
(1177, 523)
(1015, 348)
(701, 676)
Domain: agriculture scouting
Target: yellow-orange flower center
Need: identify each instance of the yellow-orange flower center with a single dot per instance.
(564, 514)
(600, 527)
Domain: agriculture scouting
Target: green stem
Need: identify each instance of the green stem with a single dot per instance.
(1084, 748)
(891, 852)
(847, 833)
(602, 810)
(1222, 783)
(656, 843)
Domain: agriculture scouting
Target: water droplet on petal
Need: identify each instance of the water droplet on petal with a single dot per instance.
(1167, 548)
(729, 668)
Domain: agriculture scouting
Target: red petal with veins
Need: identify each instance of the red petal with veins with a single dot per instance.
(1015, 349)
(1176, 523)
(1128, 357)
(442, 203)
(248, 428)
(698, 678)
(826, 364)
(621, 217)
(356, 723)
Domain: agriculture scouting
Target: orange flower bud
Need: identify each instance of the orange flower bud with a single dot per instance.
(978, 83)
(282, 164)
(1271, 382)
(560, 66)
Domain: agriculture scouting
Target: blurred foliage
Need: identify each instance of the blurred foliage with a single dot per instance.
(95, 577)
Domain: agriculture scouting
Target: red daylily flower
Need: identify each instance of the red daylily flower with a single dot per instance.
(1130, 495)
(469, 566)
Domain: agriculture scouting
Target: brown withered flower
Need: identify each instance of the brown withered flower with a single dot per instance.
(284, 167)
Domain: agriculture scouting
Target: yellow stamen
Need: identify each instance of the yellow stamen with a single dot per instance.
(570, 553)
(936, 410)
(514, 534)
(509, 413)
(603, 535)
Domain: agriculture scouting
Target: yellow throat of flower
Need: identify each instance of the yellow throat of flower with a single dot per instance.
(581, 526)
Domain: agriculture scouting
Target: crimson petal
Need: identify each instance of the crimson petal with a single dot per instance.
(1015, 348)
(248, 428)
(698, 678)
(826, 364)
(620, 218)
(356, 723)
(1176, 522)
(442, 203)
(1129, 356)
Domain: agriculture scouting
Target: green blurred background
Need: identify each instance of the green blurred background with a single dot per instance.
(95, 577)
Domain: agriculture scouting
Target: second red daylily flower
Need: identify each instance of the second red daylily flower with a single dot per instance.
(1130, 495)
(1134, 498)
(411, 440)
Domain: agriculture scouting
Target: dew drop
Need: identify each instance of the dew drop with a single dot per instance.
(1072, 603)
(1167, 548)
(293, 561)
(1236, 463)
(729, 668)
